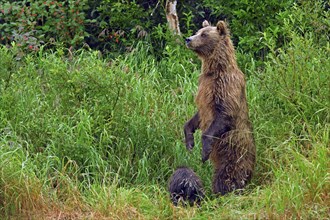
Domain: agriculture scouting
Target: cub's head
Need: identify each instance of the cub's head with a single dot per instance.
(208, 38)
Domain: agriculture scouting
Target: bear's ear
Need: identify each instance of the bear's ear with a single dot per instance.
(222, 28)
(205, 23)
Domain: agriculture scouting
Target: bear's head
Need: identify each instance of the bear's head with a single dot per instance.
(208, 38)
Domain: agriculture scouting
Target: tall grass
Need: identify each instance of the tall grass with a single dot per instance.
(85, 137)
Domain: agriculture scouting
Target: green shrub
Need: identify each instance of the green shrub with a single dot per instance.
(116, 25)
(33, 23)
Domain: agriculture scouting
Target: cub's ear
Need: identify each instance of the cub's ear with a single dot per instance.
(205, 23)
(222, 28)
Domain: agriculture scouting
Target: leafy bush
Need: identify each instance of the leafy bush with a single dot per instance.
(33, 23)
(116, 25)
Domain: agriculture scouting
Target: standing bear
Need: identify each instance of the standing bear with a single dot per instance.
(222, 114)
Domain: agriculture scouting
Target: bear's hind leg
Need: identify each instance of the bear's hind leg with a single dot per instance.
(224, 182)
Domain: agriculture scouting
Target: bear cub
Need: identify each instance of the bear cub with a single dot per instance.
(185, 187)
(222, 110)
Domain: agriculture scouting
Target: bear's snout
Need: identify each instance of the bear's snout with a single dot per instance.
(188, 40)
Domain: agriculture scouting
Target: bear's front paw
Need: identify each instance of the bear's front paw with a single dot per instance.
(190, 144)
(189, 139)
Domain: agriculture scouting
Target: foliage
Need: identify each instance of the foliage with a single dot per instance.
(33, 23)
(116, 25)
(113, 26)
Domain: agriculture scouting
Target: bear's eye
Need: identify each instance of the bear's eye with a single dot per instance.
(204, 35)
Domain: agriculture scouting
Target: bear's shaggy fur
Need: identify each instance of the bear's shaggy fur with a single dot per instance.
(185, 186)
(222, 110)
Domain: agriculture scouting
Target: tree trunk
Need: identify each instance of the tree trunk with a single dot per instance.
(172, 16)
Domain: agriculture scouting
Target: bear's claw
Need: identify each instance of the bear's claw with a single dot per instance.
(190, 145)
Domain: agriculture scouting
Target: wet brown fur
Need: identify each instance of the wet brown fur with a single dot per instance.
(222, 110)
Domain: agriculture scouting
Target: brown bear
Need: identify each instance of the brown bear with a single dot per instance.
(185, 187)
(222, 110)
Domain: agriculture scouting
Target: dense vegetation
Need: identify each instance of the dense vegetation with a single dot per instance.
(90, 134)
(113, 26)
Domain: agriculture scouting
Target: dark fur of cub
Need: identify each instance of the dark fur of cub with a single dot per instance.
(185, 187)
